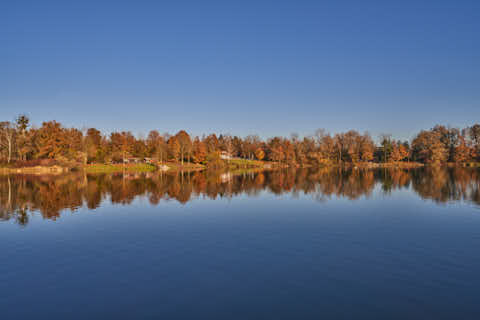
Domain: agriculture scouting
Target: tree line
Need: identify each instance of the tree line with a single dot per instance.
(22, 143)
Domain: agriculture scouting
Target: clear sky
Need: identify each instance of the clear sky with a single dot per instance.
(241, 67)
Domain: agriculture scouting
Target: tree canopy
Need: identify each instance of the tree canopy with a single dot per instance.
(21, 142)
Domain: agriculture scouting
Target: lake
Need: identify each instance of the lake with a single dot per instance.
(285, 244)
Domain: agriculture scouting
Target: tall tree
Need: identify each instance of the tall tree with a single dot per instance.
(174, 148)
(396, 155)
(367, 148)
(156, 145)
(227, 144)
(474, 135)
(387, 147)
(7, 137)
(429, 148)
(24, 140)
(122, 144)
(185, 144)
(93, 145)
(199, 151)
(152, 142)
(211, 142)
(462, 152)
(339, 139)
(51, 141)
(327, 148)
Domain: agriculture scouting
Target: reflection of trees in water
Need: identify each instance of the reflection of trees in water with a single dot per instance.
(49, 195)
(393, 179)
(442, 185)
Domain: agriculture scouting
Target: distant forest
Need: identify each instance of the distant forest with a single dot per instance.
(20, 142)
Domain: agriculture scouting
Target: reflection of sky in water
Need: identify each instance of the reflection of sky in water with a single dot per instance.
(388, 255)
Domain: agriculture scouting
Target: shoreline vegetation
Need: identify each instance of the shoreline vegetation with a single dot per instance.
(53, 148)
(174, 167)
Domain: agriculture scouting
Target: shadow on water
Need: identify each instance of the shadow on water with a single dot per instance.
(50, 195)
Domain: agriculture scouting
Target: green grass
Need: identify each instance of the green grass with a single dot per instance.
(177, 166)
(244, 163)
(111, 168)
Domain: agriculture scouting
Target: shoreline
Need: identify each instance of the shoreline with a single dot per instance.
(174, 167)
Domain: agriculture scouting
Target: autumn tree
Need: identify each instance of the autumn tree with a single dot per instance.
(367, 148)
(227, 144)
(237, 146)
(156, 145)
(449, 137)
(462, 152)
(74, 144)
(339, 145)
(140, 148)
(395, 155)
(289, 151)
(259, 154)
(174, 148)
(352, 144)
(275, 150)
(387, 147)
(403, 150)
(94, 145)
(211, 142)
(313, 156)
(51, 141)
(185, 144)
(277, 154)
(300, 152)
(429, 148)
(199, 151)
(250, 144)
(327, 148)
(122, 145)
(474, 135)
(24, 139)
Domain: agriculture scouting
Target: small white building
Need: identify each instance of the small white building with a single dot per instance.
(225, 155)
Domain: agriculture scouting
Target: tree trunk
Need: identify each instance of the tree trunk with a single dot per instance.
(9, 150)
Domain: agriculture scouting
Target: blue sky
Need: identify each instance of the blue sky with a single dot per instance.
(241, 67)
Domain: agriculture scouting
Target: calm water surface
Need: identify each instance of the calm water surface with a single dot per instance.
(304, 244)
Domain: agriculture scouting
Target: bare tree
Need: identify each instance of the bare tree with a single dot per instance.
(228, 144)
(7, 137)
(320, 134)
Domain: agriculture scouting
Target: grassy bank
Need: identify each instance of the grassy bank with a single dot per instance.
(234, 165)
(399, 164)
(111, 168)
(39, 166)
(244, 163)
(187, 166)
(35, 170)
